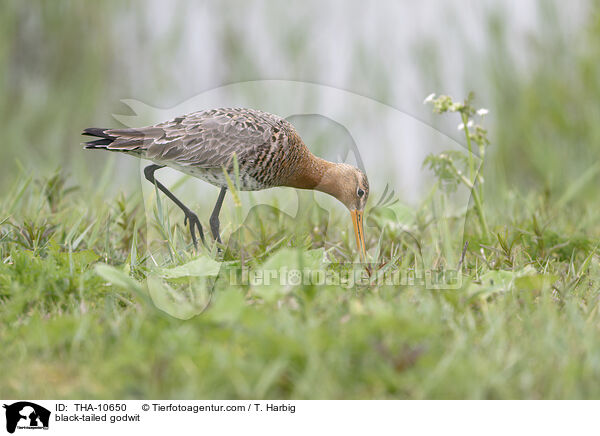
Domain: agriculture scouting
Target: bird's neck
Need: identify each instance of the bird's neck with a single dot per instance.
(315, 173)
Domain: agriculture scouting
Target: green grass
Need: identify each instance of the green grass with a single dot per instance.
(525, 323)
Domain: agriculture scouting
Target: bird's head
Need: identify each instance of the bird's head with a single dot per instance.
(350, 186)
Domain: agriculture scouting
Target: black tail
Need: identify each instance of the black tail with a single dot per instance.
(102, 143)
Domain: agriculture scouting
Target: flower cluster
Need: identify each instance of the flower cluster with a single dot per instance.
(443, 104)
(453, 168)
(474, 132)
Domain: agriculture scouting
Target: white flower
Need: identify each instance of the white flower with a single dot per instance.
(429, 98)
(481, 112)
(461, 126)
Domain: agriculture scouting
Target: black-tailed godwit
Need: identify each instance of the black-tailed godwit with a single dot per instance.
(269, 151)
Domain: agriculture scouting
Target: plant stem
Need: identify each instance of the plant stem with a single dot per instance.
(465, 120)
(479, 210)
(477, 194)
(476, 197)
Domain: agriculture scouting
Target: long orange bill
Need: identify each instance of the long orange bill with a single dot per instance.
(357, 220)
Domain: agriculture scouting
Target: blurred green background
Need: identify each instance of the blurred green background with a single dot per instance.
(66, 65)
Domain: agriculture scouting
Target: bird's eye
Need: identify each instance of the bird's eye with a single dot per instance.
(360, 192)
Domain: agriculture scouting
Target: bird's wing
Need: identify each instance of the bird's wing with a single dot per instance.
(204, 139)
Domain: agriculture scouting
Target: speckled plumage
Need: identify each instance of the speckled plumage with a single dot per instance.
(269, 153)
(268, 148)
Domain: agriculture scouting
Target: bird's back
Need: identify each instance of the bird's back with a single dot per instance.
(267, 147)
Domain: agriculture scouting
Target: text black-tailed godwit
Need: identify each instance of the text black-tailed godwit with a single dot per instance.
(269, 151)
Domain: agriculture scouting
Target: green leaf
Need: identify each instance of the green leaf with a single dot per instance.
(120, 279)
(183, 303)
(397, 214)
(535, 281)
(85, 257)
(117, 278)
(201, 267)
(492, 282)
(292, 258)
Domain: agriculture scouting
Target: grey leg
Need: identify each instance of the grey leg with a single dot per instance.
(214, 217)
(189, 215)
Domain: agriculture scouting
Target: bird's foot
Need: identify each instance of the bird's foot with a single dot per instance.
(194, 224)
